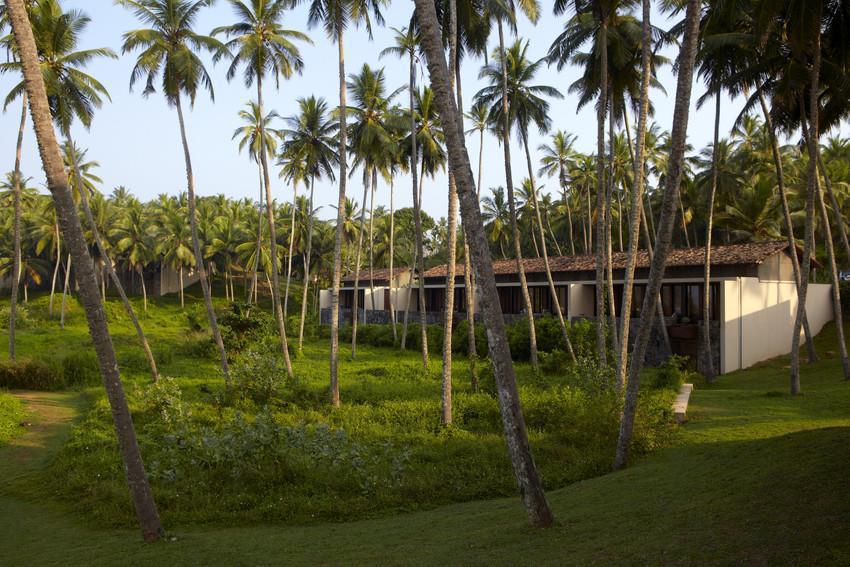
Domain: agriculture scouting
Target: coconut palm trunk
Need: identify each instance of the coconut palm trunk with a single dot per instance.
(355, 313)
(291, 250)
(65, 291)
(665, 229)
(252, 295)
(525, 470)
(609, 231)
(636, 211)
(392, 260)
(554, 292)
(403, 343)
(55, 271)
(144, 288)
(708, 369)
(811, 188)
(417, 220)
(601, 110)
(57, 181)
(786, 214)
(196, 244)
(509, 185)
(307, 259)
(372, 240)
(16, 230)
(278, 307)
(110, 270)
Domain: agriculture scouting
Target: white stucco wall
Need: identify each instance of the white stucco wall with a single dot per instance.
(169, 280)
(325, 298)
(758, 319)
(581, 301)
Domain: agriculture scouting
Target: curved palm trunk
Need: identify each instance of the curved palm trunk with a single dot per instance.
(812, 187)
(609, 231)
(552, 232)
(306, 267)
(708, 369)
(355, 312)
(278, 307)
(509, 184)
(134, 469)
(340, 220)
(417, 219)
(196, 244)
(252, 296)
(639, 183)
(144, 288)
(554, 292)
(602, 108)
(55, 271)
(65, 291)
(372, 241)
(110, 270)
(291, 251)
(786, 213)
(392, 259)
(525, 470)
(16, 230)
(812, 141)
(665, 229)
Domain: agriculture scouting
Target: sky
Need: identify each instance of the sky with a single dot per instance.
(136, 139)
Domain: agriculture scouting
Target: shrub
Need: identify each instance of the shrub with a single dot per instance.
(29, 374)
(81, 368)
(258, 374)
(244, 325)
(433, 332)
(164, 399)
(23, 318)
(672, 373)
(460, 341)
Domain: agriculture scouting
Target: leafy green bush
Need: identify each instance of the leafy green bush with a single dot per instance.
(672, 373)
(29, 374)
(81, 368)
(258, 374)
(244, 325)
(460, 340)
(23, 320)
(164, 399)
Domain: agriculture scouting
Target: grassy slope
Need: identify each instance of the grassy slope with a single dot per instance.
(11, 415)
(757, 477)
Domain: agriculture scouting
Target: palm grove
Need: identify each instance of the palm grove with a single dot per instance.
(782, 63)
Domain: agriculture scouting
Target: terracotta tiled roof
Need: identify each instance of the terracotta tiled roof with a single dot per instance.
(379, 274)
(733, 254)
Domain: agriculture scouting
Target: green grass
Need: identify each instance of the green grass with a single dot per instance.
(11, 415)
(755, 477)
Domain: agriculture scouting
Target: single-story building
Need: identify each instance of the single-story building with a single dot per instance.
(377, 290)
(752, 290)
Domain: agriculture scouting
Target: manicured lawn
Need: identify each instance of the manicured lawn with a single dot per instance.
(755, 477)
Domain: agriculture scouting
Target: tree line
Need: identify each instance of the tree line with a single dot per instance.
(642, 188)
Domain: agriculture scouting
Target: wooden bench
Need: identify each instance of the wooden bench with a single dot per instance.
(680, 405)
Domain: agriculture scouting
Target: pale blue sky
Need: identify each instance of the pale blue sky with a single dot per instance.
(137, 143)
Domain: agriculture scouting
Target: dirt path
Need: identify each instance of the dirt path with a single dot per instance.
(49, 419)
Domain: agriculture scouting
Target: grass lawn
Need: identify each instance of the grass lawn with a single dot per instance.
(755, 476)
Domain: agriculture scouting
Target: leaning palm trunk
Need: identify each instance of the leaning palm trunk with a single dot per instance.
(338, 233)
(278, 307)
(55, 271)
(708, 358)
(449, 307)
(609, 211)
(525, 470)
(372, 241)
(355, 314)
(57, 181)
(392, 259)
(291, 251)
(252, 296)
(307, 260)
(665, 229)
(555, 301)
(16, 230)
(110, 270)
(808, 240)
(789, 225)
(417, 223)
(601, 110)
(65, 291)
(830, 253)
(196, 244)
(509, 185)
(833, 202)
(636, 210)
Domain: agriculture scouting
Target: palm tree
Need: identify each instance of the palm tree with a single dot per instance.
(311, 134)
(335, 16)
(517, 439)
(134, 240)
(262, 45)
(525, 106)
(557, 161)
(256, 127)
(479, 116)
(168, 48)
(496, 214)
(406, 45)
(371, 140)
(687, 57)
(57, 182)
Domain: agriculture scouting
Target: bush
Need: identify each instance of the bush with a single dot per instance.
(81, 369)
(460, 340)
(258, 374)
(28, 374)
(672, 374)
(23, 319)
(245, 325)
